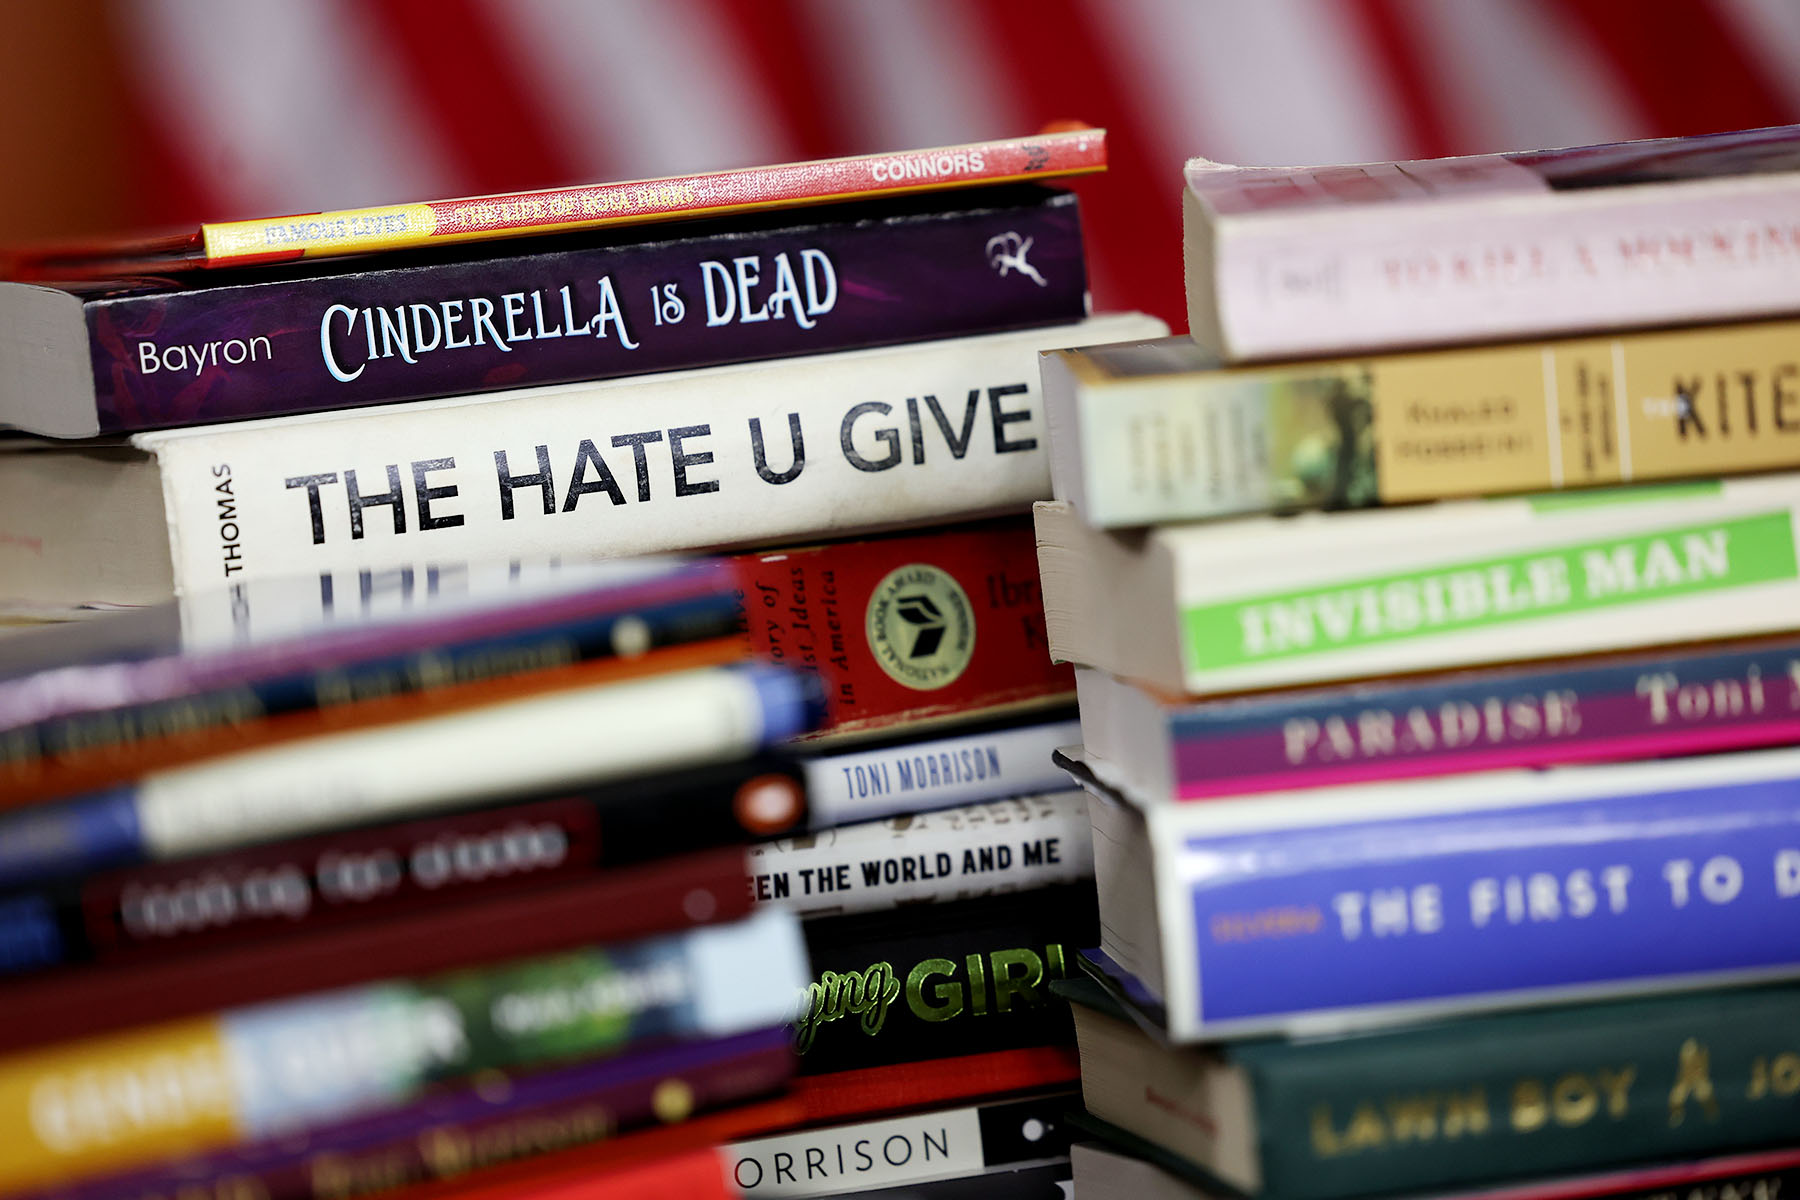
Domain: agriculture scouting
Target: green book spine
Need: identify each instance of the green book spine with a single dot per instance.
(1537, 1093)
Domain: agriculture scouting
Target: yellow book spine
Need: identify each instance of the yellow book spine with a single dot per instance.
(1584, 412)
(106, 1104)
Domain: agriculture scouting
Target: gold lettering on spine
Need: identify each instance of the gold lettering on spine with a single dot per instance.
(1693, 1081)
(1466, 1114)
(1324, 1138)
(1779, 1075)
(1573, 1100)
(1365, 1132)
(1413, 1118)
(1529, 1108)
(1617, 1086)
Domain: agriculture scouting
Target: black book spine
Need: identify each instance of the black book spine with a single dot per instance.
(922, 982)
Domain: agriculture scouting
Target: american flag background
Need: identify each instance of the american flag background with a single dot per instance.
(150, 112)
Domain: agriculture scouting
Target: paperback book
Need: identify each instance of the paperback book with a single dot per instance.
(1683, 700)
(749, 454)
(1335, 908)
(1157, 431)
(225, 346)
(1284, 262)
(1051, 153)
(1265, 602)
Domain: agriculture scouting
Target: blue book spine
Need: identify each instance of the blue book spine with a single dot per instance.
(1499, 906)
(77, 837)
(585, 637)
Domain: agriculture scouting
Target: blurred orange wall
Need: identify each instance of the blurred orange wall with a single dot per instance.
(62, 151)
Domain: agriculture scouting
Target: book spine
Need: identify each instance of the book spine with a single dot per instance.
(1485, 420)
(955, 854)
(903, 1150)
(447, 1134)
(761, 452)
(916, 777)
(260, 1072)
(354, 231)
(435, 764)
(1634, 570)
(1587, 882)
(1541, 1094)
(943, 980)
(274, 890)
(83, 751)
(632, 902)
(1682, 702)
(906, 630)
(1520, 266)
(290, 626)
(315, 342)
(934, 1082)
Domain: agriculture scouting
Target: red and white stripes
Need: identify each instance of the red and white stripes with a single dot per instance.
(265, 106)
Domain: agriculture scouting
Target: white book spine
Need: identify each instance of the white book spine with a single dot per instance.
(863, 785)
(975, 850)
(725, 456)
(839, 1159)
(570, 737)
(1522, 265)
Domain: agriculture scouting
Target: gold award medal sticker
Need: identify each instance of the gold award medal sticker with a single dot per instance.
(921, 626)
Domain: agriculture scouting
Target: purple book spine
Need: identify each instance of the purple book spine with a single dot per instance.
(479, 1126)
(797, 285)
(1685, 701)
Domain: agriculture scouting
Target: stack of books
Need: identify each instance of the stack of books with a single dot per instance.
(1448, 845)
(401, 838)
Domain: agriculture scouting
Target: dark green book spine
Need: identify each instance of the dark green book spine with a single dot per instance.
(1536, 1093)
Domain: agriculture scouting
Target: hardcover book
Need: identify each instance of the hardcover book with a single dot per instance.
(1287, 262)
(1335, 908)
(907, 632)
(1446, 1104)
(1152, 432)
(897, 777)
(225, 346)
(755, 453)
(1262, 602)
(960, 853)
(941, 980)
(912, 1149)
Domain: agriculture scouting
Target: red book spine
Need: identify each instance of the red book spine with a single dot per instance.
(600, 1162)
(628, 903)
(911, 628)
(697, 1174)
(934, 1083)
